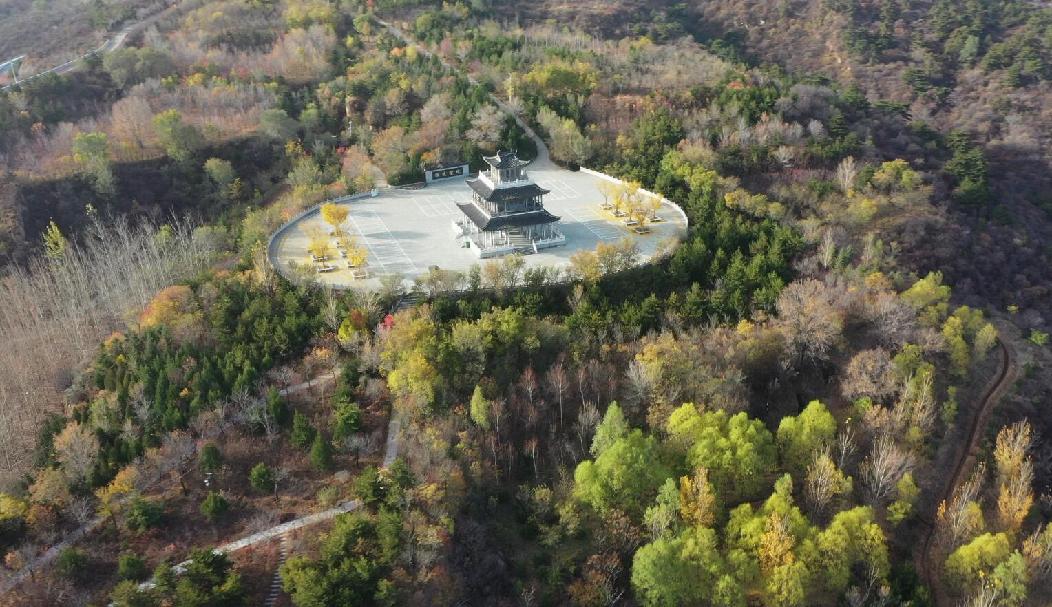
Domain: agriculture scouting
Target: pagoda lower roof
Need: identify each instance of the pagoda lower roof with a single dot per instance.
(515, 220)
(491, 194)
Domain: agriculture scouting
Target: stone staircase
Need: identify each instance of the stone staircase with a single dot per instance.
(409, 300)
(521, 243)
(276, 585)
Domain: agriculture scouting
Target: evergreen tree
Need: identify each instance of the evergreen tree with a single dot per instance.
(261, 477)
(210, 459)
(302, 431)
(214, 506)
(321, 453)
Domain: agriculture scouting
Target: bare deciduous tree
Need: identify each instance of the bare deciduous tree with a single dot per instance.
(883, 467)
(845, 448)
(486, 127)
(824, 482)
(528, 384)
(132, 125)
(558, 384)
(960, 518)
(846, 172)
(587, 419)
(77, 449)
(54, 313)
(640, 383)
(869, 374)
(1037, 549)
(1015, 472)
(1011, 448)
(812, 321)
(916, 408)
(1015, 498)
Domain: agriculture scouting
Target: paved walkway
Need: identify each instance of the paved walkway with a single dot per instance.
(276, 584)
(321, 380)
(48, 556)
(282, 529)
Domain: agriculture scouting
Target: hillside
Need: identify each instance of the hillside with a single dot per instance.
(829, 388)
(983, 68)
(50, 32)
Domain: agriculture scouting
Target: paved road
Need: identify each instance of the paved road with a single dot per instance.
(110, 45)
(114, 43)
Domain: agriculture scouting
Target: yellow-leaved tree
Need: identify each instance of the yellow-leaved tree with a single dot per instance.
(1015, 473)
(319, 245)
(115, 495)
(334, 215)
(697, 501)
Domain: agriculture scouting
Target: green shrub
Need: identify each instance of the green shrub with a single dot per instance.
(214, 506)
(321, 453)
(72, 564)
(211, 458)
(347, 419)
(277, 408)
(144, 514)
(302, 431)
(328, 496)
(369, 486)
(131, 566)
(261, 478)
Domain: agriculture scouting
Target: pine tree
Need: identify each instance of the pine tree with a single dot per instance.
(214, 506)
(302, 431)
(211, 458)
(261, 477)
(321, 453)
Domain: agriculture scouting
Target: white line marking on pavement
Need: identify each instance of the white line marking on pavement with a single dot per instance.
(602, 230)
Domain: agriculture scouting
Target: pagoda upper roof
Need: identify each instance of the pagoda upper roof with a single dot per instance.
(503, 194)
(488, 224)
(505, 160)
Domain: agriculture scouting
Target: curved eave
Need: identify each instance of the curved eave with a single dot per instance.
(516, 220)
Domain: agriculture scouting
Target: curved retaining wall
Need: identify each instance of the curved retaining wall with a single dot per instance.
(276, 236)
(612, 179)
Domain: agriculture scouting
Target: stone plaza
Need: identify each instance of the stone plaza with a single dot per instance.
(406, 232)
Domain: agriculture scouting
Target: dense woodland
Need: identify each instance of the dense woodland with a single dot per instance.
(766, 415)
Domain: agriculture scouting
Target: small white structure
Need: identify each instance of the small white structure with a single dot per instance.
(446, 171)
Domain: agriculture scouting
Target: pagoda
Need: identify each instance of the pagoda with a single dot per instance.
(506, 213)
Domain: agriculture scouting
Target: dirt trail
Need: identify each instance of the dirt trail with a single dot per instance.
(965, 459)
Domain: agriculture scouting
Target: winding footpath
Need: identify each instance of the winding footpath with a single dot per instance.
(965, 459)
(49, 555)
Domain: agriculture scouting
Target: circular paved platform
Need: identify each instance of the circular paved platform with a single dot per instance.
(406, 232)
